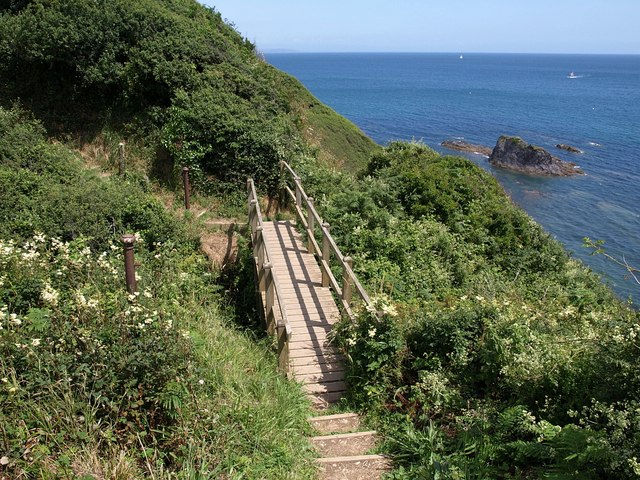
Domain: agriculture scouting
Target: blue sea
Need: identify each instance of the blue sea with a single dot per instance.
(477, 98)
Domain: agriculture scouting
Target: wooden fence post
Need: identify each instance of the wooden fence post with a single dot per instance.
(121, 165)
(187, 187)
(281, 191)
(311, 222)
(326, 253)
(298, 192)
(346, 281)
(269, 297)
(128, 241)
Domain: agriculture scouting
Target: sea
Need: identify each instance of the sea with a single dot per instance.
(591, 102)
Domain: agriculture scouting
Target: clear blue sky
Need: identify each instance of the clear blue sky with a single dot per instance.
(528, 26)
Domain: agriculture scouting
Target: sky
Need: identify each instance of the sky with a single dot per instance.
(502, 26)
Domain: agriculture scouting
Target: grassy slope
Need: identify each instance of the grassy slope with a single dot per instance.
(164, 385)
(339, 143)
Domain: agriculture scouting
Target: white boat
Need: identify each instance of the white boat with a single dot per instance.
(573, 75)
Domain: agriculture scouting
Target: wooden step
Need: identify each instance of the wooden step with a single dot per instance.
(301, 369)
(337, 423)
(320, 377)
(322, 401)
(345, 444)
(360, 467)
(321, 354)
(325, 387)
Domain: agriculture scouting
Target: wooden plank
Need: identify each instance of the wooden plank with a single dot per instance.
(325, 387)
(320, 377)
(327, 361)
(317, 368)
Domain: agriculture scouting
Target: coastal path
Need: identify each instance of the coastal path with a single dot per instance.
(301, 300)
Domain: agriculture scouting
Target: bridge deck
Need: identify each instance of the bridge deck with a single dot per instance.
(311, 311)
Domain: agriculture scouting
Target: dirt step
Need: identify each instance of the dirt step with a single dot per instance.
(345, 444)
(360, 467)
(337, 423)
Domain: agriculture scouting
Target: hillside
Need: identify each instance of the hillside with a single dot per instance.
(169, 72)
(494, 354)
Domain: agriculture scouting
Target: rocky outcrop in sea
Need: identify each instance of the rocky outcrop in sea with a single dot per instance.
(461, 146)
(568, 148)
(516, 154)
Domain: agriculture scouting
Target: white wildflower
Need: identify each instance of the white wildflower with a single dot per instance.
(372, 333)
(92, 303)
(201, 382)
(39, 237)
(50, 295)
(13, 318)
(390, 310)
(351, 341)
(35, 342)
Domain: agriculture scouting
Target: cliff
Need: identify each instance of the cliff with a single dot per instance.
(515, 154)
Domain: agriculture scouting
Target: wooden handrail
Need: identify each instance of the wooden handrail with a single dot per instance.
(327, 247)
(268, 285)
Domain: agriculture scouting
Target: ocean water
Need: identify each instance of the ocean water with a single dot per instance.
(435, 97)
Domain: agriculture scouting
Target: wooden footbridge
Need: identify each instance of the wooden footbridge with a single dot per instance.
(300, 295)
(301, 300)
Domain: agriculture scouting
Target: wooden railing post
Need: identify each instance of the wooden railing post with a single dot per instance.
(326, 253)
(281, 192)
(269, 297)
(311, 222)
(258, 252)
(346, 281)
(253, 217)
(298, 191)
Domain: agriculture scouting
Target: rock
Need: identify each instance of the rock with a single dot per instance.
(568, 148)
(516, 154)
(466, 147)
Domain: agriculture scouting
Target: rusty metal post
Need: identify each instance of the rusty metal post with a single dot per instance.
(311, 222)
(346, 281)
(187, 187)
(128, 241)
(121, 165)
(326, 254)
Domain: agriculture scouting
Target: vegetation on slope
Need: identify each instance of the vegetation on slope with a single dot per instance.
(95, 383)
(169, 70)
(496, 355)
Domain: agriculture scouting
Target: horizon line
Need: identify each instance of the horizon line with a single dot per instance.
(408, 52)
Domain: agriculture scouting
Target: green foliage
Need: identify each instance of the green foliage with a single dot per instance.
(497, 359)
(174, 71)
(44, 189)
(95, 383)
